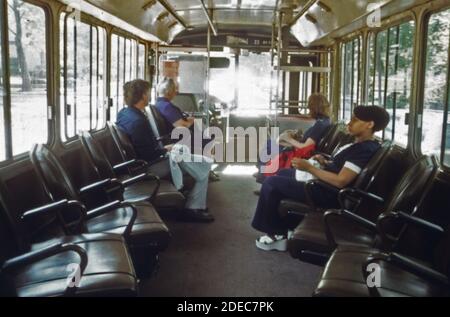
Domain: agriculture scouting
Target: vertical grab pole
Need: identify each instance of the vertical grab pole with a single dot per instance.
(4, 60)
(156, 69)
(279, 52)
(206, 105)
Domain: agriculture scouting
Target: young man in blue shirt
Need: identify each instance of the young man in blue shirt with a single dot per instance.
(340, 172)
(134, 122)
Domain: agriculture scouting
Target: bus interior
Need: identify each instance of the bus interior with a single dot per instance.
(80, 215)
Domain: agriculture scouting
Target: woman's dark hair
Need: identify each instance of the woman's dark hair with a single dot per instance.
(133, 91)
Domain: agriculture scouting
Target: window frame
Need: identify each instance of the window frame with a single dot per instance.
(144, 65)
(7, 100)
(343, 51)
(394, 24)
(100, 32)
(126, 68)
(4, 59)
(423, 66)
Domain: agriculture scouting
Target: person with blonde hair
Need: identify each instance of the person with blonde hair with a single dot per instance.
(319, 109)
(292, 145)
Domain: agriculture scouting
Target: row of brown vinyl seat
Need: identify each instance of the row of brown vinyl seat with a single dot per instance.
(390, 227)
(87, 207)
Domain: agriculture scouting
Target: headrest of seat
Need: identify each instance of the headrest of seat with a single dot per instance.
(158, 122)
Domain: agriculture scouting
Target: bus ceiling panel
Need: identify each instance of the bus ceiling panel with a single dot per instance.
(318, 22)
(243, 15)
(162, 20)
(129, 16)
(185, 5)
(236, 17)
(321, 25)
(232, 36)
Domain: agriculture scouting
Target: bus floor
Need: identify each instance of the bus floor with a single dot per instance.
(221, 259)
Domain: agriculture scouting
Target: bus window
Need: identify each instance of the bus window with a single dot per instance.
(390, 73)
(399, 90)
(2, 93)
(100, 79)
(447, 133)
(28, 71)
(222, 83)
(82, 80)
(436, 87)
(254, 84)
(117, 73)
(351, 81)
(141, 61)
(83, 77)
(123, 69)
(130, 60)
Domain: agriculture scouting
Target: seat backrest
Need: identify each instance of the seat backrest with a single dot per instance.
(52, 173)
(98, 156)
(8, 238)
(109, 145)
(327, 138)
(414, 185)
(21, 189)
(335, 140)
(441, 253)
(409, 196)
(122, 142)
(158, 122)
(8, 250)
(7, 287)
(368, 174)
(419, 243)
(67, 171)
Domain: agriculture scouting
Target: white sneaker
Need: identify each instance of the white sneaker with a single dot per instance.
(290, 234)
(267, 243)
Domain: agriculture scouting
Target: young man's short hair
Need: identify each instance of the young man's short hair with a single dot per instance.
(378, 115)
(133, 91)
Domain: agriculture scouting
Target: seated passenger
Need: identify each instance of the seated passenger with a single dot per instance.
(174, 116)
(134, 122)
(290, 146)
(340, 172)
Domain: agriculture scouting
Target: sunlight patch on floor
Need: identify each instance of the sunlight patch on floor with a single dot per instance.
(240, 170)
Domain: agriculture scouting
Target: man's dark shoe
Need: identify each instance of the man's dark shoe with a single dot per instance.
(197, 215)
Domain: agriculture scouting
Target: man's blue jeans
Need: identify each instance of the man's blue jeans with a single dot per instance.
(200, 172)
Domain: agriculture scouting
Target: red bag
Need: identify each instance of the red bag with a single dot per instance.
(285, 158)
